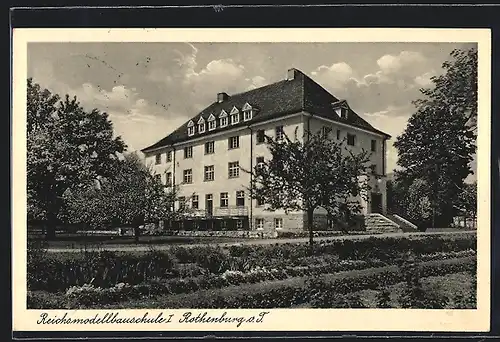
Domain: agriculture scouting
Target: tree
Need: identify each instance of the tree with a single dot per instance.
(302, 175)
(439, 141)
(133, 196)
(67, 147)
(420, 209)
(467, 201)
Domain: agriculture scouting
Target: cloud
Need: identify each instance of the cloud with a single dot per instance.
(392, 64)
(395, 81)
(425, 80)
(334, 76)
(256, 82)
(134, 118)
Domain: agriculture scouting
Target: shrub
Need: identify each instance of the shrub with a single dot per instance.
(383, 299)
(102, 268)
(414, 295)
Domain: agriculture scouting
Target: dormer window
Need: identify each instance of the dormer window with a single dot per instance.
(212, 124)
(191, 128)
(247, 112)
(201, 125)
(235, 116)
(223, 118)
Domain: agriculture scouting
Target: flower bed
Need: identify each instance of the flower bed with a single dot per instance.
(267, 297)
(104, 268)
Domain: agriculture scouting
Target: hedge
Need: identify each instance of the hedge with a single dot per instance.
(47, 271)
(275, 297)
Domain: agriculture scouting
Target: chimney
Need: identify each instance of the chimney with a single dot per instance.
(291, 74)
(221, 97)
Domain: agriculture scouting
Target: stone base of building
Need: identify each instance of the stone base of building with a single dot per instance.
(292, 222)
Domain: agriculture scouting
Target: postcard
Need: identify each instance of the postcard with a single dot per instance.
(251, 179)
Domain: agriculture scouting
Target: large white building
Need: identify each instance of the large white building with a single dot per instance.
(205, 154)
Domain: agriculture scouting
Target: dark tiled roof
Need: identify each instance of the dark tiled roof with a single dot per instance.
(272, 101)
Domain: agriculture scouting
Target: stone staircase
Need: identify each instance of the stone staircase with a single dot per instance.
(377, 223)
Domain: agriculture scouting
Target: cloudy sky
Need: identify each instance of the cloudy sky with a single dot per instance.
(149, 89)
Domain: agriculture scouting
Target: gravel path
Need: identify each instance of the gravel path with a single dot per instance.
(147, 247)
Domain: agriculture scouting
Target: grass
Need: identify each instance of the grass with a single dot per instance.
(448, 285)
(72, 241)
(185, 300)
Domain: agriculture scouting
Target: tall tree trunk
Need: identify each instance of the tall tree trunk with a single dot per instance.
(50, 231)
(137, 233)
(310, 226)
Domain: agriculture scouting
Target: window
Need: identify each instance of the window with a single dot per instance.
(239, 224)
(259, 224)
(188, 176)
(259, 162)
(280, 134)
(201, 128)
(325, 132)
(194, 202)
(235, 116)
(223, 118)
(247, 115)
(158, 159)
(188, 152)
(234, 142)
(223, 224)
(169, 179)
(209, 147)
(374, 145)
(261, 136)
(209, 173)
(338, 134)
(351, 139)
(278, 223)
(223, 122)
(169, 156)
(224, 199)
(182, 202)
(190, 128)
(212, 125)
(240, 198)
(234, 169)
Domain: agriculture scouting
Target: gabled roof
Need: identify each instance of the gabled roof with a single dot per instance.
(246, 106)
(234, 110)
(273, 101)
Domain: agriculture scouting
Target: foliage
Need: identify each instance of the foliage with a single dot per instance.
(383, 299)
(317, 292)
(68, 147)
(133, 196)
(439, 141)
(419, 205)
(467, 203)
(102, 268)
(414, 295)
(58, 271)
(305, 175)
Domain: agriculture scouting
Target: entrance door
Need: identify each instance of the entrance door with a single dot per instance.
(376, 203)
(209, 204)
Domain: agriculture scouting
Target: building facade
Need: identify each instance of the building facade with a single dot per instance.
(208, 155)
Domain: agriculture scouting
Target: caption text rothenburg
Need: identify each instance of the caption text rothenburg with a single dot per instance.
(113, 318)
